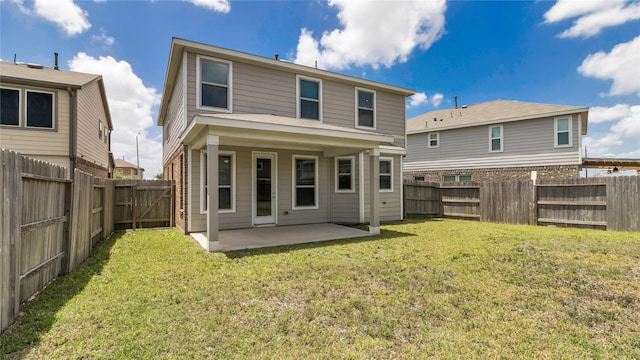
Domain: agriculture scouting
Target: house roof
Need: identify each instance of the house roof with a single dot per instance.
(178, 46)
(498, 111)
(119, 163)
(37, 75)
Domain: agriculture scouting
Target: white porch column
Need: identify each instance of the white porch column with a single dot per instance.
(212, 185)
(374, 191)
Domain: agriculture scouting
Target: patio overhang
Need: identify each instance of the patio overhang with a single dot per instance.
(270, 131)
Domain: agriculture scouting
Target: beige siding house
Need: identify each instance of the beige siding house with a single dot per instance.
(57, 116)
(254, 141)
(127, 170)
(497, 140)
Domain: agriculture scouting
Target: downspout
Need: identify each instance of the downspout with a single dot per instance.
(73, 120)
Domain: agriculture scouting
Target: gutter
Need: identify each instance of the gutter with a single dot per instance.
(73, 122)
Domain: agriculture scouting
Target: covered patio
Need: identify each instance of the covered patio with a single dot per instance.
(231, 240)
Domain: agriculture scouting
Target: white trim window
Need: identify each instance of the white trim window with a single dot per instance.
(309, 98)
(344, 170)
(433, 140)
(365, 108)
(10, 106)
(214, 84)
(305, 182)
(456, 178)
(562, 132)
(495, 138)
(226, 182)
(40, 109)
(386, 174)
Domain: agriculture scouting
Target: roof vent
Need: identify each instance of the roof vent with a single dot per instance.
(276, 56)
(465, 106)
(35, 66)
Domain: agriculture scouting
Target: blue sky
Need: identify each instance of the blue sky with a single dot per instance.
(568, 52)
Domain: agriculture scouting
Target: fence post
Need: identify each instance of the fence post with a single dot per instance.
(10, 241)
(66, 241)
(533, 216)
(134, 196)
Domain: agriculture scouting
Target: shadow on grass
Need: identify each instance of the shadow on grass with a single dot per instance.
(38, 314)
(384, 234)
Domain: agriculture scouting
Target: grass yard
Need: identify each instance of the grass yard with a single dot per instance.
(422, 289)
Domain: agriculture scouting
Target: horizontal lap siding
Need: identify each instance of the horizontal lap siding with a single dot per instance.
(91, 112)
(390, 202)
(46, 145)
(338, 104)
(174, 123)
(390, 116)
(262, 90)
(524, 143)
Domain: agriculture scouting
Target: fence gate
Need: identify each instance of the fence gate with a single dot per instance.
(143, 204)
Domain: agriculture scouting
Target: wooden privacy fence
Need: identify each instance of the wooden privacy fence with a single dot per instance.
(611, 203)
(50, 224)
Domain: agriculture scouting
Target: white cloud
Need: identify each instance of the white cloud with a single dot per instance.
(131, 104)
(103, 38)
(622, 139)
(222, 6)
(375, 34)
(593, 15)
(619, 65)
(417, 99)
(69, 17)
(436, 99)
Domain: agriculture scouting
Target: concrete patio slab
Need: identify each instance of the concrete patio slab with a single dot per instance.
(230, 240)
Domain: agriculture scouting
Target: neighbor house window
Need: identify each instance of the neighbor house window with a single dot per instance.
(39, 109)
(214, 90)
(563, 132)
(495, 138)
(226, 181)
(100, 130)
(309, 98)
(386, 174)
(344, 174)
(305, 181)
(9, 107)
(434, 140)
(456, 178)
(418, 178)
(365, 108)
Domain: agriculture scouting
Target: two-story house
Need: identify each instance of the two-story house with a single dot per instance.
(497, 140)
(57, 116)
(127, 170)
(254, 141)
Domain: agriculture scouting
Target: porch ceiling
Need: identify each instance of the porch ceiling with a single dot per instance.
(259, 130)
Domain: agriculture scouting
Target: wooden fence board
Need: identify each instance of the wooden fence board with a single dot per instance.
(81, 220)
(11, 187)
(623, 203)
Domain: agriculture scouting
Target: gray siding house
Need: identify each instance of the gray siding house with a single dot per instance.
(57, 116)
(497, 140)
(254, 141)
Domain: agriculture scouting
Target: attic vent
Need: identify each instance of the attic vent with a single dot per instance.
(34, 66)
(465, 106)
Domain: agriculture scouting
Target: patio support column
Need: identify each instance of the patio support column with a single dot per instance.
(213, 142)
(374, 191)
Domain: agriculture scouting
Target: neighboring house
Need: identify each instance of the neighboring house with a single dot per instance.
(254, 141)
(57, 116)
(497, 140)
(127, 170)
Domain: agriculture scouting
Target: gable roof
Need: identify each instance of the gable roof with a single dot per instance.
(178, 46)
(120, 163)
(498, 111)
(37, 75)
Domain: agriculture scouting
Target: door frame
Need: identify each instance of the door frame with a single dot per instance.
(274, 186)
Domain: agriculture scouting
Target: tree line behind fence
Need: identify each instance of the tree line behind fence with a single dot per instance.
(607, 203)
(50, 224)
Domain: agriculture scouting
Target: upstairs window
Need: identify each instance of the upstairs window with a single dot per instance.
(39, 109)
(309, 99)
(562, 132)
(434, 140)
(214, 84)
(9, 107)
(495, 138)
(366, 115)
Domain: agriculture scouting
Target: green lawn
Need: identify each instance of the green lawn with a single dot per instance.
(439, 289)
